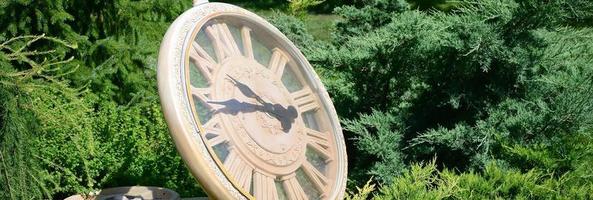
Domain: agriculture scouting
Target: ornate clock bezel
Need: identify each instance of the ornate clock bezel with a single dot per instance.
(185, 129)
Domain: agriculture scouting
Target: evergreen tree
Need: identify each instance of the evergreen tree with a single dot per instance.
(57, 121)
(496, 95)
(498, 81)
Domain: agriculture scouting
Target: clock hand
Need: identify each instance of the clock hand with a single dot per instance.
(289, 115)
(233, 106)
(246, 90)
(243, 88)
(286, 116)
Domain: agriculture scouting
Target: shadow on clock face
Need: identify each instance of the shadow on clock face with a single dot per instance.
(286, 115)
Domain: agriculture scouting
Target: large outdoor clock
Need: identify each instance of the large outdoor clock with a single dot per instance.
(246, 110)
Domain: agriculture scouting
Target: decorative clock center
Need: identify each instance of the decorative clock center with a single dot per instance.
(269, 123)
(254, 102)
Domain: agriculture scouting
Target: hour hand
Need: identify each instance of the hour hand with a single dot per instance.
(232, 106)
(244, 88)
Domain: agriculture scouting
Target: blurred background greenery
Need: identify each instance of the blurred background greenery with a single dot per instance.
(467, 99)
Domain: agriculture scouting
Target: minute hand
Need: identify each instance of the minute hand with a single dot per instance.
(285, 115)
(271, 108)
(243, 88)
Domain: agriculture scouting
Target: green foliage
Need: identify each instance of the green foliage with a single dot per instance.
(358, 21)
(139, 148)
(433, 4)
(486, 88)
(42, 119)
(495, 182)
(361, 193)
(95, 120)
(463, 86)
(299, 7)
(294, 29)
(117, 39)
(374, 133)
(58, 140)
(556, 108)
(497, 95)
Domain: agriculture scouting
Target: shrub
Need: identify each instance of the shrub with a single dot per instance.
(299, 8)
(497, 95)
(479, 84)
(495, 182)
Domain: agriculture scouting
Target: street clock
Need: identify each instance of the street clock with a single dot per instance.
(246, 110)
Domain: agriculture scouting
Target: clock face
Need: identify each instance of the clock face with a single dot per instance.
(246, 110)
(260, 115)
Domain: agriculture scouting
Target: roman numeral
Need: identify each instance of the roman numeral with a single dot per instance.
(305, 100)
(224, 44)
(319, 180)
(203, 94)
(264, 186)
(202, 60)
(316, 137)
(294, 191)
(247, 46)
(239, 169)
(278, 61)
(319, 142)
(214, 132)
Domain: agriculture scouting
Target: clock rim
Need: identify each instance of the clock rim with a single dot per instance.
(185, 129)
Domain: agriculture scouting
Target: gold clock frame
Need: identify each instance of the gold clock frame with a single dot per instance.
(185, 128)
